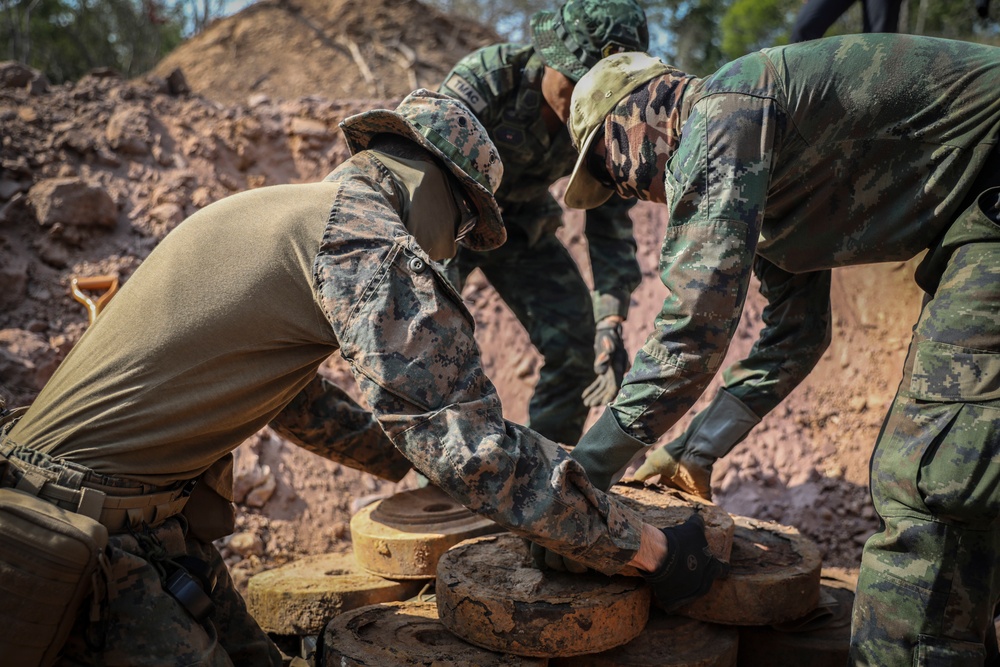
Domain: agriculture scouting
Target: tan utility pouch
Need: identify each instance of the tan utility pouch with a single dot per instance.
(48, 557)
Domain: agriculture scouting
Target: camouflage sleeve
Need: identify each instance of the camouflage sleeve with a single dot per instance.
(411, 346)
(796, 332)
(323, 419)
(612, 257)
(716, 188)
(477, 80)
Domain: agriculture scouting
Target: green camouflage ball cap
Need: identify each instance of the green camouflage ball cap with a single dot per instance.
(597, 93)
(446, 128)
(574, 38)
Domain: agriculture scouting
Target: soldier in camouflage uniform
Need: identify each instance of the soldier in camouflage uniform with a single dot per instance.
(786, 163)
(170, 379)
(520, 92)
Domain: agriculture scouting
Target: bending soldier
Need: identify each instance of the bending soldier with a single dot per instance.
(169, 380)
(786, 163)
(521, 93)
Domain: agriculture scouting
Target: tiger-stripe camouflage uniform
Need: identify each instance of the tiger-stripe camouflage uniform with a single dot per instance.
(533, 272)
(789, 162)
(169, 380)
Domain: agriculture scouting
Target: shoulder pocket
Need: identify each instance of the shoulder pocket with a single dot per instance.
(410, 332)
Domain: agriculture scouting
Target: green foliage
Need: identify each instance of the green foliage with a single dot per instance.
(67, 38)
(750, 25)
(695, 41)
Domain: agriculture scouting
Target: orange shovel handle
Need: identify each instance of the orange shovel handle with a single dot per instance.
(108, 284)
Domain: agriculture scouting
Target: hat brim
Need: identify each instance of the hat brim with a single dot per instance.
(583, 190)
(551, 47)
(489, 232)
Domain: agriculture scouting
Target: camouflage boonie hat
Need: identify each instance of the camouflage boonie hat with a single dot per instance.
(594, 97)
(572, 39)
(446, 128)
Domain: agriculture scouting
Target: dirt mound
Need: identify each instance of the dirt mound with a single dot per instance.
(337, 48)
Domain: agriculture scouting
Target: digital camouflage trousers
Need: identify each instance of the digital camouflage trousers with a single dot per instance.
(143, 626)
(930, 577)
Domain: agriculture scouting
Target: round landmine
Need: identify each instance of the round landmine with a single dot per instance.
(405, 633)
(490, 593)
(299, 598)
(668, 641)
(404, 535)
(773, 577)
(822, 639)
(665, 507)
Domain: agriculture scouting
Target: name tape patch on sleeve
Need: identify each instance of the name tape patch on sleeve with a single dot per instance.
(465, 92)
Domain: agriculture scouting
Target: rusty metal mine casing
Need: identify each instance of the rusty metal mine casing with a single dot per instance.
(490, 594)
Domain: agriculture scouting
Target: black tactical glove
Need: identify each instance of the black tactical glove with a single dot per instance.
(610, 363)
(689, 569)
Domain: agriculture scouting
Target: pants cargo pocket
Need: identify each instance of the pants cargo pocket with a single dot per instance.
(959, 475)
(937, 652)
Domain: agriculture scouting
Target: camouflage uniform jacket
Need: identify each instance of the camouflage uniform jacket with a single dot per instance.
(501, 84)
(789, 162)
(319, 267)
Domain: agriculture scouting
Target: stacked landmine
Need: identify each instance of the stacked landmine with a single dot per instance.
(818, 639)
(405, 633)
(404, 535)
(397, 543)
(493, 607)
(489, 593)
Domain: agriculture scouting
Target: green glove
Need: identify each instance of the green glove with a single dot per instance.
(610, 363)
(605, 450)
(686, 463)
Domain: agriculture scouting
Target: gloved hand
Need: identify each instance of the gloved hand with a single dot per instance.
(689, 472)
(546, 559)
(686, 463)
(689, 569)
(983, 8)
(610, 363)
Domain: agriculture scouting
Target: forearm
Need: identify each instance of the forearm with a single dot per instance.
(796, 333)
(613, 263)
(519, 479)
(324, 420)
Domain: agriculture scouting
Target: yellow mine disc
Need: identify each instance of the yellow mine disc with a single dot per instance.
(404, 535)
(299, 598)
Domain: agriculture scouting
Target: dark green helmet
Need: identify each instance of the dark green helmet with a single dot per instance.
(572, 39)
